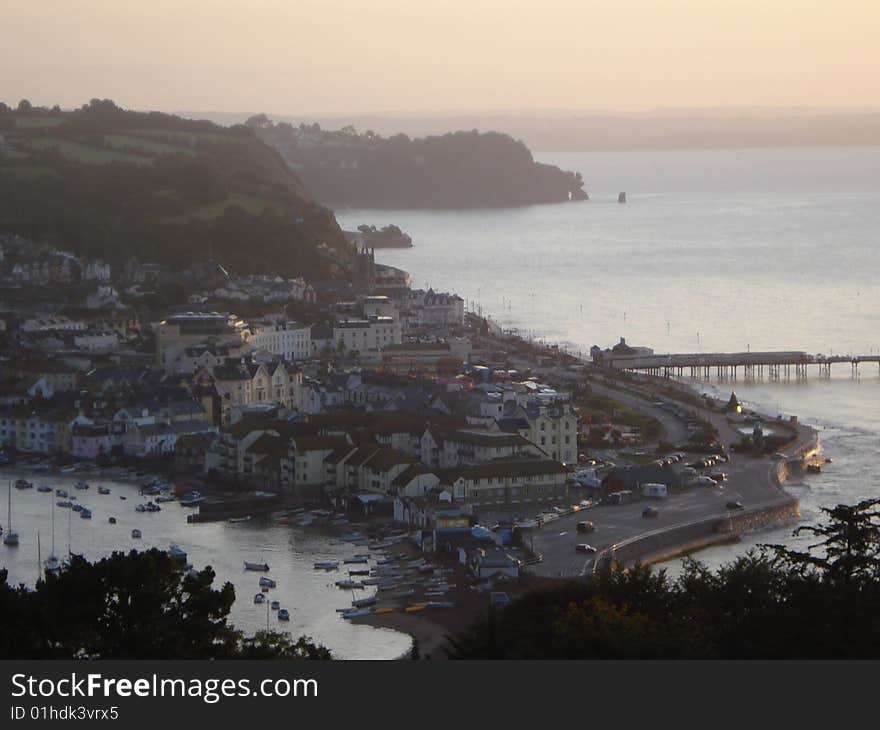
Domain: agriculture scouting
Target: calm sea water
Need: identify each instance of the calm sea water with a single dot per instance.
(310, 595)
(716, 250)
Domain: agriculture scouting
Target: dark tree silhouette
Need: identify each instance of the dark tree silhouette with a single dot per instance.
(140, 605)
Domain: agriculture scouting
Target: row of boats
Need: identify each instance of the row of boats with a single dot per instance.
(266, 583)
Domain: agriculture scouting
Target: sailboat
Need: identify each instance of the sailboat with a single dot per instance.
(10, 537)
(53, 563)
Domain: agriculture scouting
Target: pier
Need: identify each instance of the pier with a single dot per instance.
(729, 365)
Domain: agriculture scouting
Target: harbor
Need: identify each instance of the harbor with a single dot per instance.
(290, 551)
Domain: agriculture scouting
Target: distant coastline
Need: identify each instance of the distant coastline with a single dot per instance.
(592, 131)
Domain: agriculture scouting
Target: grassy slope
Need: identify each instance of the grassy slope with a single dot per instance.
(168, 188)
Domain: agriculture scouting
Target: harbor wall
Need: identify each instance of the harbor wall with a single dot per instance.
(668, 542)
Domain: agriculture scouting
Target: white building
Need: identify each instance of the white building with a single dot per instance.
(366, 335)
(290, 340)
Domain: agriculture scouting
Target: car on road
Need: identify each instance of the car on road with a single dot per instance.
(584, 548)
(650, 512)
(718, 476)
(585, 526)
(734, 505)
(706, 482)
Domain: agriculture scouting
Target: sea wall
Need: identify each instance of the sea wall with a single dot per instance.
(668, 542)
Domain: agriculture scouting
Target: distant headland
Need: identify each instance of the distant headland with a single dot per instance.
(454, 170)
(389, 236)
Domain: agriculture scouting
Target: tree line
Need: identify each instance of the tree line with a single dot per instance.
(778, 602)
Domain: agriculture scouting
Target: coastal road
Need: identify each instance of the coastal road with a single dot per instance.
(674, 430)
(749, 482)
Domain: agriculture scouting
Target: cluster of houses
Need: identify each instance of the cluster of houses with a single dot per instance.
(371, 398)
(411, 457)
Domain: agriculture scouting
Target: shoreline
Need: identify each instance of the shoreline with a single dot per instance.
(688, 538)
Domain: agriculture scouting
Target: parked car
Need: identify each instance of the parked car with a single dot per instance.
(718, 476)
(706, 481)
(584, 548)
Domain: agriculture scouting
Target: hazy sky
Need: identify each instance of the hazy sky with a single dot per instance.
(350, 56)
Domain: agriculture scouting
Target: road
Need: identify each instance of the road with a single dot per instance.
(674, 430)
(749, 483)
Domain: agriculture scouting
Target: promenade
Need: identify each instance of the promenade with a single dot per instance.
(694, 517)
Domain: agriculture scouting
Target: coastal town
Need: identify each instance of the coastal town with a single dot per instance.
(388, 415)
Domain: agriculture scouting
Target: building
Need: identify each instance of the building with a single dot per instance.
(290, 340)
(161, 438)
(366, 335)
(447, 449)
(426, 356)
(507, 482)
(178, 332)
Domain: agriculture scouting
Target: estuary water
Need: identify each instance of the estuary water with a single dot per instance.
(310, 595)
(715, 250)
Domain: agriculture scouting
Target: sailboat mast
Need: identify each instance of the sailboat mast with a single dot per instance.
(53, 527)
(9, 508)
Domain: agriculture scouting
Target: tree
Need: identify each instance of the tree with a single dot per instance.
(777, 602)
(258, 120)
(850, 548)
(140, 605)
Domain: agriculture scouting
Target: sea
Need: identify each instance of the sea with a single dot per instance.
(714, 251)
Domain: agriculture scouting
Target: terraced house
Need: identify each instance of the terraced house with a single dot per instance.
(509, 482)
(246, 382)
(448, 449)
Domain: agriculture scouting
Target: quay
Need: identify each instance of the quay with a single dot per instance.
(727, 365)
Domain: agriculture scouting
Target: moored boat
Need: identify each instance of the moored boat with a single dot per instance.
(275, 605)
(263, 567)
(177, 552)
(136, 533)
(327, 565)
(103, 490)
(190, 499)
(353, 612)
(259, 598)
(85, 514)
(266, 582)
(81, 485)
(349, 584)
(23, 484)
(283, 614)
(44, 488)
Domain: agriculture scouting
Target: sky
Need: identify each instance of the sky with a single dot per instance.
(378, 56)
